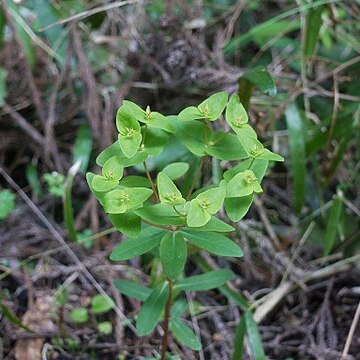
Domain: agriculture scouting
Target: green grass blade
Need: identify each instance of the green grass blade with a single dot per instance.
(313, 24)
(67, 202)
(254, 337)
(297, 154)
(332, 224)
(239, 340)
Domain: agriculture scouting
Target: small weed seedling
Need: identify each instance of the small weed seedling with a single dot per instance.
(164, 216)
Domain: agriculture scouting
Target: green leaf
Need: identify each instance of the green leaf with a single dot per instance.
(7, 203)
(157, 120)
(257, 166)
(211, 200)
(243, 184)
(119, 201)
(128, 223)
(237, 208)
(129, 142)
(132, 289)
(135, 181)
(149, 238)
(225, 147)
(197, 215)
(191, 113)
(256, 150)
(101, 183)
(32, 177)
(112, 172)
(160, 214)
(25, 38)
(101, 304)
(154, 141)
(99, 195)
(215, 243)
(79, 315)
(184, 334)
(176, 170)
(113, 169)
(216, 225)
(68, 209)
(178, 308)
(82, 148)
(7, 312)
(194, 135)
(55, 182)
(168, 192)
(173, 254)
(297, 154)
(312, 28)
(129, 132)
(212, 107)
(105, 327)
(148, 117)
(332, 224)
(270, 156)
(3, 90)
(254, 337)
(152, 308)
(236, 115)
(239, 340)
(115, 150)
(257, 77)
(208, 281)
(262, 79)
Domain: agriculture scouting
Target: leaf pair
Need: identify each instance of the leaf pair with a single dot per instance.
(148, 117)
(204, 205)
(256, 149)
(237, 118)
(209, 109)
(119, 201)
(168, 192)
(111, 173)
(127, 122)
(243, 184)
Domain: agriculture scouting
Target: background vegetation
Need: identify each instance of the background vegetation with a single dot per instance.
(66, 66)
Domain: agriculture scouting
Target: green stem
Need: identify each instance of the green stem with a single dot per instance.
(165, 339)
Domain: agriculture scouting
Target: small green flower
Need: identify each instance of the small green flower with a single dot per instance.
(204, 205)
(243, 184)
(119, 201)
(111, 173)
(168, 192)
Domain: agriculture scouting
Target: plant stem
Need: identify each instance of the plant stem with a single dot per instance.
(151, 182)
(196, 177)
(165, 339)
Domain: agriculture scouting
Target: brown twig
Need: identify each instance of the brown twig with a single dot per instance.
(92, 99)
(24, 125)
(196, 178)
(151, 182)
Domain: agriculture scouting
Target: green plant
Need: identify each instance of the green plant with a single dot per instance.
(165, 216)
(7, 203)
(99, 305)
(56, 183)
